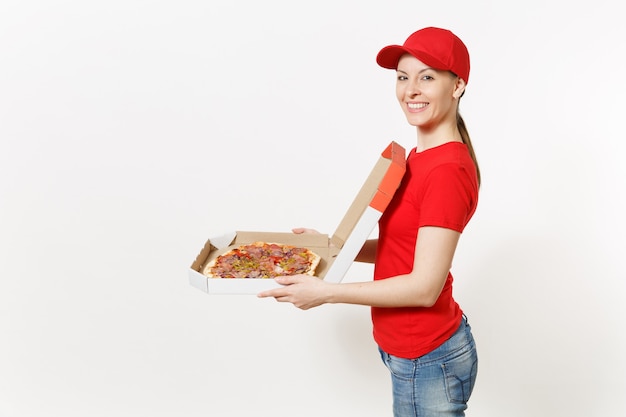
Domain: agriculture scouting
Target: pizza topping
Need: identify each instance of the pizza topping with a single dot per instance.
(263, 260)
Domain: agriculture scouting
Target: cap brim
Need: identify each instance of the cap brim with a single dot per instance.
(389, 56)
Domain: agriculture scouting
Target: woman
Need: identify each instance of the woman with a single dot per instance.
(423, 336)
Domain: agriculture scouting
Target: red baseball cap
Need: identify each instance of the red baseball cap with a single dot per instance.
(438, 48)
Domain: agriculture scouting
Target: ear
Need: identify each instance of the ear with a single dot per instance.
(459, 88)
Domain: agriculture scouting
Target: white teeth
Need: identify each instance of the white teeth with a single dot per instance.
(416, 105)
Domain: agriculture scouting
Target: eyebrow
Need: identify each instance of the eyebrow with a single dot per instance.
(419, 72)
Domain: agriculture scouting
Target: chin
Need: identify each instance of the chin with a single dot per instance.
(413, 122)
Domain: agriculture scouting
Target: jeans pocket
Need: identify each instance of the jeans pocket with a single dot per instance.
(460, 375)
(399, 367)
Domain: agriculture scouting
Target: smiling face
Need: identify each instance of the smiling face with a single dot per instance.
(428, 97)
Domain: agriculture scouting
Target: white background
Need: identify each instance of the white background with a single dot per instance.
(131, 131)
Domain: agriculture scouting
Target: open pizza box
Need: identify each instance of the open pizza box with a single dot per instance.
(337, 251)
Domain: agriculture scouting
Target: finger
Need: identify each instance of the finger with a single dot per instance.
(285, 281)
(289, 279)
(276, 293)
(300, 230)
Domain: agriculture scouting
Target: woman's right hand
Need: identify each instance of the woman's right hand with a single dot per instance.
(301, 230)
(304, 230)
(367, 254)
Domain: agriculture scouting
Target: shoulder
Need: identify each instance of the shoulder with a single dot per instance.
(453, 171)
(455, 152)
(450, 159)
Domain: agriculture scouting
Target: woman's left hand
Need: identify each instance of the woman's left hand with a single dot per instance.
(303, 291)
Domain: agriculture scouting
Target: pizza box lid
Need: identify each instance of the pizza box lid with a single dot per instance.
(337, 251)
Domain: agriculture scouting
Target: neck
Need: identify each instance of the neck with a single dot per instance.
(427, 139)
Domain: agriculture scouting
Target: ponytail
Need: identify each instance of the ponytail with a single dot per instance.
(467, 141)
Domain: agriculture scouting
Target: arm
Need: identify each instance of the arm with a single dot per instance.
(434, 250)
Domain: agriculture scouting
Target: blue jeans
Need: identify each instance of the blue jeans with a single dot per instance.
(438, 383)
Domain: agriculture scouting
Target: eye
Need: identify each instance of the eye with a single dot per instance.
(402, 77)
(427, 78)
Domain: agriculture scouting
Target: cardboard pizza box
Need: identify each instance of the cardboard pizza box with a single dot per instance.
(337, 251)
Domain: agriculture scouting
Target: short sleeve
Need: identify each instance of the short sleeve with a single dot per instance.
(450, 197)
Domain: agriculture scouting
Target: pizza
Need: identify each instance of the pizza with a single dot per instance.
(263, 260)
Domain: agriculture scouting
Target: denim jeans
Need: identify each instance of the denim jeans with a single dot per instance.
(438, 383)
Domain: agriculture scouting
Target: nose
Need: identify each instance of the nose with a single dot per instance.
(413, 89)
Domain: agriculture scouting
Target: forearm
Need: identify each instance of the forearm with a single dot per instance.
(399, 291)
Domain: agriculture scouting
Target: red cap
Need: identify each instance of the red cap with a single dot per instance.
(435, 47)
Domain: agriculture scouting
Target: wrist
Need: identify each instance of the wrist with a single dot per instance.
(331, 293)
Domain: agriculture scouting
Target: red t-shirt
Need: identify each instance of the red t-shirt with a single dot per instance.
(439, 188)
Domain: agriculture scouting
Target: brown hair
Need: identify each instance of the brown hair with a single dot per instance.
(467, 141)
